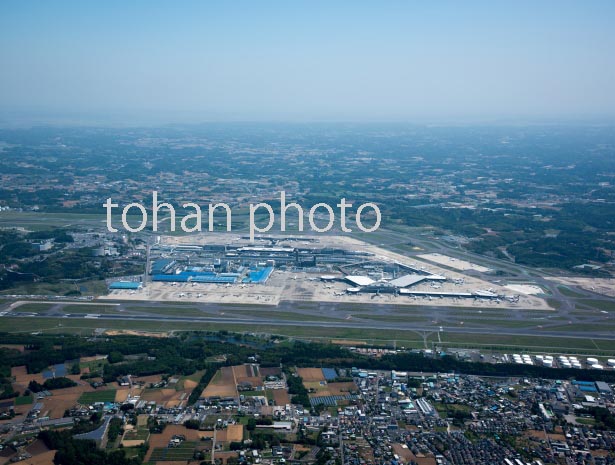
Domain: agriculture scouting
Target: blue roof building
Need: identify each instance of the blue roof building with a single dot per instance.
(125, 285)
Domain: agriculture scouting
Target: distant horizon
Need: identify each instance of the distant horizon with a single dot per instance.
(58, 121)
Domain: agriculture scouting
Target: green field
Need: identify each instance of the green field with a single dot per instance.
(554, 303)
(598, 304)
(64, 307)
(568, 292)
(24, 400)
(254, 393)
(211, 420)
(505, 343)
(94, 365)
(444, 408)
(34, 307)
(39, 221)
(196, 377)
(131, 452)
(141, 434)
(107, 395)
(89, 308)
(586, 421)
(184, 452)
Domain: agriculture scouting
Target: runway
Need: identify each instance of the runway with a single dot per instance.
(338, 315)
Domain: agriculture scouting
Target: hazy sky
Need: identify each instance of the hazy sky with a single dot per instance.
(193, 61)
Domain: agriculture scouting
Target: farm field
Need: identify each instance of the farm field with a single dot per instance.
(106, 395)
(189, 382)
(280, 396)
(223, 384)
(159, 442)
(182, 453)
(169, 397)
(123, 393)
(247, 374)
(24, 400)
(311, 374)
(330, 389)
